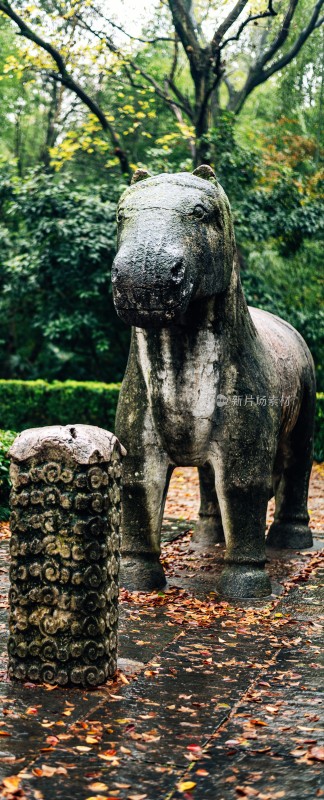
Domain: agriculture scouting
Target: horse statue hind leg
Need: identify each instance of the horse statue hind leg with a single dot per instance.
(208, 529)
(293, 464)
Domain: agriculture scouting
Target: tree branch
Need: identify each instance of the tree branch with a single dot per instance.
(182, 104)
(129, 35)
(67, 80)
(269, 13)
(283, 33)
(296, 47)
(228, 22)
(257, 74)
(186, 31)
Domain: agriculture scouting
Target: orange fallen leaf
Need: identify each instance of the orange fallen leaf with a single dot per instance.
(257, 722)
(317, 753)
(92, 740)
(97, 786)
(136, 797)
(5, 733)
(101, 797)
(12, 782)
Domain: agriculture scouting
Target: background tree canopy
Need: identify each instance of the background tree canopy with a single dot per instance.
(88, 94)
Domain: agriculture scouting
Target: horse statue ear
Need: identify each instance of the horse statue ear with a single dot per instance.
(205, 172)
(140, 175)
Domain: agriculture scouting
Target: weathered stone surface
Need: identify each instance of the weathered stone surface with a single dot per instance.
(65, 545)
(209, 383)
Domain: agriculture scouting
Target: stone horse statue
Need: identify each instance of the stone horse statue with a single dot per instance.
(210, 383)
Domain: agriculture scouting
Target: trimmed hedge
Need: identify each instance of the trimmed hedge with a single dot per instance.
(319, 428)
(30, 404)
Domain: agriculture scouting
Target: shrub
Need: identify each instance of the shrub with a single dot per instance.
(6, 440)
(319, 429)
(29, 404)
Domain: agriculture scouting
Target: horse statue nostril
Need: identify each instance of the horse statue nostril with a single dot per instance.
(114, 274)
(177, 270)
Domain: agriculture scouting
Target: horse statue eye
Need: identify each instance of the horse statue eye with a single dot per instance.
(199, 212)
(120, 216)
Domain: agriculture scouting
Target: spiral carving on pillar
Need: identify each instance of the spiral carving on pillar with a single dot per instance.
(64, 570)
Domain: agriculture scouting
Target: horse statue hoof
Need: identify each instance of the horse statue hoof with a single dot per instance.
(142, 574)
(208, 532)
(244, 581)
(289, 535)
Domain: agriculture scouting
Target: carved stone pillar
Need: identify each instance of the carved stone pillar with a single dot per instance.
(65, 545)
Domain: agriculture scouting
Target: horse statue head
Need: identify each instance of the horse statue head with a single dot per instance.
(175, 244)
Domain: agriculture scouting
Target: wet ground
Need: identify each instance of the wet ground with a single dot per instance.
(213, 699)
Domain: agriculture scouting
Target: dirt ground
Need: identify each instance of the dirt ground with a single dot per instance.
(213, 699)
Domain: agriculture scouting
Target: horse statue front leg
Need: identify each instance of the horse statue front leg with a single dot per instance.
(146, 477)
(242, 485)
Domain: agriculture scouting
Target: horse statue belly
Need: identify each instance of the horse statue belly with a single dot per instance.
(209, 383)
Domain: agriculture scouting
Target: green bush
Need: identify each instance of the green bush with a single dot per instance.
(6, 440)
(29, 404)
(319, 429)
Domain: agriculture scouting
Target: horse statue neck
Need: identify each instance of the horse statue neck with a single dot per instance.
(227, 313)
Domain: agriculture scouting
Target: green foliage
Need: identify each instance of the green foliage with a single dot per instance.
(291, 288)
(237, 166)
(57, 315)
(280, 214)
(29, 404)
(6, 440)
(319, 429)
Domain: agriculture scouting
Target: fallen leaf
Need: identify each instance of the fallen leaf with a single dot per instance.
(82, 748)
(136, 796)
(257, 722)
(101, 797)
(184, 786)
(12, 783)
(317, 753)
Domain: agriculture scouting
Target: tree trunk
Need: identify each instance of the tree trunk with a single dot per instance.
(203, 89)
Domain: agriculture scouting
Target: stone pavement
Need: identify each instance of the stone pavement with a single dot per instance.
(213, 699)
